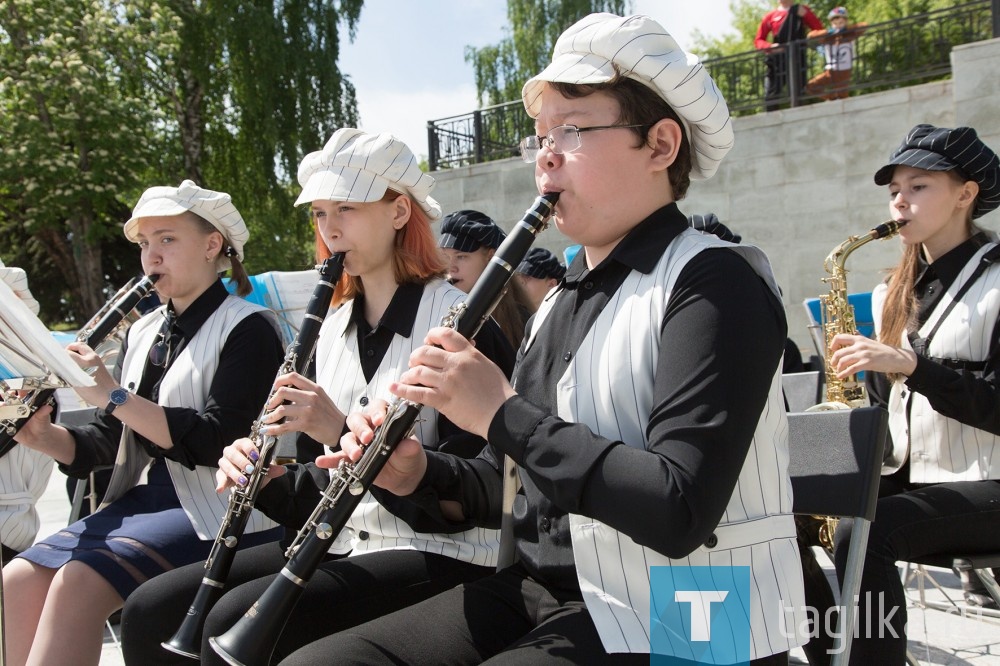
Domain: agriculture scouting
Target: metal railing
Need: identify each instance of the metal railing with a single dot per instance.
(906, 51)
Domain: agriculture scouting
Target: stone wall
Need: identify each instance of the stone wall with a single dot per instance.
(798, 182)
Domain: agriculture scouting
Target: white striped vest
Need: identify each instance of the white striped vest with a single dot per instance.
(185, 384)
(609, 387)
(339, 373)
(941, 449)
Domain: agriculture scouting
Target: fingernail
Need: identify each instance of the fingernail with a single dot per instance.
(248, 469)
(254, 455)
(242, 481)
(266, 432)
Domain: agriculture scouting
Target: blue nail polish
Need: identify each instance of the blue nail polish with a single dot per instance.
(242, 481)
(248, 469)
(254, 455)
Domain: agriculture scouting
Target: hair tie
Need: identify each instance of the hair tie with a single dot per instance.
(230, 251)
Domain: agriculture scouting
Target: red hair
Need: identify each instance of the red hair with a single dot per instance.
(416, 257)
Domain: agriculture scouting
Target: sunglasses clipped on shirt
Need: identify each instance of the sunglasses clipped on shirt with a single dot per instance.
(159, 353)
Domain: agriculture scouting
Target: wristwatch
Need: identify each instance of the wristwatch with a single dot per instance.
(116, 398)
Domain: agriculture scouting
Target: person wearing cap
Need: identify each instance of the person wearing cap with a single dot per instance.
(469, 239)
(836, 43)
(784, 24)
(24, 472)
(538, 274)
(369, 199)
(935, 366)
(191, 377)
(644, 384)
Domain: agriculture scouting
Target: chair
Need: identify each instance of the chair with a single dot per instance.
(802, 390)
(835, 461)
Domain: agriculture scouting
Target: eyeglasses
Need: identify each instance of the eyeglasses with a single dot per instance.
(562, 139)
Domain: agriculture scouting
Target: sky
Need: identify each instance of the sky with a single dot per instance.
(408, 60)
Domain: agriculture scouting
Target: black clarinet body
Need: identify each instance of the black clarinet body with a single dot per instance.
(186, 640)
(93, 334)
(251, 641)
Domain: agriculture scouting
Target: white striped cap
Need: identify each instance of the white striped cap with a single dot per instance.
(359, 167)
(591, 49)
(943, 149)
(214, 207)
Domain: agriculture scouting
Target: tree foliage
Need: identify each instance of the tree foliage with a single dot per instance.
(103, 98)
(501, 69)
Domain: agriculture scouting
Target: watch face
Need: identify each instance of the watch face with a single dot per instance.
(118, 396)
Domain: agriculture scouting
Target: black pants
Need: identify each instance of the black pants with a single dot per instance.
(912, 522)
(507, 618)
(776, 75)
(342, 593)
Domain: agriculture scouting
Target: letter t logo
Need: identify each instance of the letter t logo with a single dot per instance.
(701, 610)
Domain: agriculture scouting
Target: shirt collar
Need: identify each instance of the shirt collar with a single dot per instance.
(947, 267)
(641, 248)
(200, 310)
(400, 314)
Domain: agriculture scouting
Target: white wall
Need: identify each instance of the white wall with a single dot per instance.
(798, 182)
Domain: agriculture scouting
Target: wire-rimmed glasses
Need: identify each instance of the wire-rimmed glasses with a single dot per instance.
(561, 139)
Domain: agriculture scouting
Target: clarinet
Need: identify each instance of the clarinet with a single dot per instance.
(100, 326)
(186, 641)
(252, 639)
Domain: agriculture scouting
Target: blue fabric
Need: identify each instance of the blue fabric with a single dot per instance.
(140, 535)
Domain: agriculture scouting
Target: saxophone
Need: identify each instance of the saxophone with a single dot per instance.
(837, 316)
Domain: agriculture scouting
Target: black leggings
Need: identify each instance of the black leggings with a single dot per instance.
(507, 618)
(343, 592)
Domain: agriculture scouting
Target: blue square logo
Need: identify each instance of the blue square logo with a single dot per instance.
(699, 614)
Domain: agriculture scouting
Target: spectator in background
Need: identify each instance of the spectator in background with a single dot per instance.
(837, 47)
(469, 239)
(538, 274)
(786, 23)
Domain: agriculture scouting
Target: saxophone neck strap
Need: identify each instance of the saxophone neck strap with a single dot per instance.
(922, 345)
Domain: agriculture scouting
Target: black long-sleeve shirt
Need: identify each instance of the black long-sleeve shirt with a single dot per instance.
(247, 366)
(721, 340)
(953, 393)
(291, 498)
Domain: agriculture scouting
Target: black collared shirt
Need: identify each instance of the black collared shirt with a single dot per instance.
(247, 367)
(721, 341)
(953, 393)
(291, 498)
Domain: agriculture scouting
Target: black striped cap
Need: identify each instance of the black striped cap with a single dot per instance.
(542, 264)
(469, 230)
(943, 149)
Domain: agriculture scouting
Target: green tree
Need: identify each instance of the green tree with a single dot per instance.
(71, 139)
(101, 98)
(501, 69)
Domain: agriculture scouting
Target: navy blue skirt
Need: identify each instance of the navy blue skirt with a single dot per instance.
(140, 535)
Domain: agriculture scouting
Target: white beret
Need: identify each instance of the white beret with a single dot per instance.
(215, 207)
(590, 49)
(359, 167)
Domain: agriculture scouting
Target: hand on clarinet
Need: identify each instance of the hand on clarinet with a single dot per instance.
(852, 354)
(237, 463)
(449, 374)
(88, 360)
(309, 409)
(406, 466)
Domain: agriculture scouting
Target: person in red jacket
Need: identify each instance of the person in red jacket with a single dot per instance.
(783, 31)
